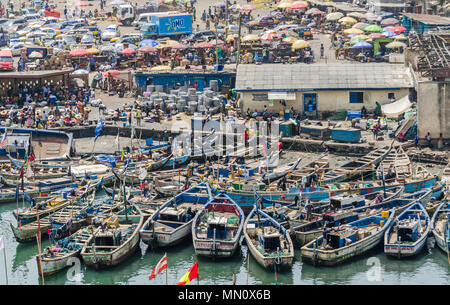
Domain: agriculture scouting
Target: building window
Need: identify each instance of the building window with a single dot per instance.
(357, 97)
(260, 97)
(391, 96)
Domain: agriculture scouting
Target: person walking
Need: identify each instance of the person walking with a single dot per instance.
(428, 138)
(322, 50)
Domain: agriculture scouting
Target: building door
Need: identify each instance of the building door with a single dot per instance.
(310, 105)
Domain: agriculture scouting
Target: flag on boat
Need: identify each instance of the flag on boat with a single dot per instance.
(159, 267)
(117, 139)
(2, 245)
(98, 130)
(29, 171)
(4, 140)
(190, 275)
(122, 155)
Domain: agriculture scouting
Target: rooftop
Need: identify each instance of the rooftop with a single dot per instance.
(302, 77)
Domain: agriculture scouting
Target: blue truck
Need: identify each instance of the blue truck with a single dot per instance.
(170, 25)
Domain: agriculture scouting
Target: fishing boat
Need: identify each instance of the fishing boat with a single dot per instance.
(13, 173)
(112, 243)
(56, 258)
(397, 162)
(217, 228)
(342, 243)
(317, 165)
(280, 171)
(173, 222)
(130, 191)
(356, 168)
(268, 241)
(440, 227)
(46, 144)
(408, 233)
(446, 174)
(176, 162)
(340, 211)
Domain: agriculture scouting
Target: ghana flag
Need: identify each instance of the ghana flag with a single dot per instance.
(190, 275)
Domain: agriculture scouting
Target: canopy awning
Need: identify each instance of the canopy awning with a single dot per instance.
(395, 109)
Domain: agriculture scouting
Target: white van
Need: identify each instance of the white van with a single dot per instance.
(147, 17)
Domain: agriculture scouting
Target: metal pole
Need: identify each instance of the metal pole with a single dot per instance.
(238, 57)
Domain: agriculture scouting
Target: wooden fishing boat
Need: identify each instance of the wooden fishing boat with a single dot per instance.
(66, 163)
(397, 161)
(69, 218)
(357, 167)
(246, 199)
(56, 258)
(130, 191)
(176, 162)
(217, 228)
(440, 226)
(280, 171)
(13, 173)
(342, 243)
(408, 233)
(305, 171)
(268, 241)
(307, 230)
(446, 174)
(111, 244)
(173, 222)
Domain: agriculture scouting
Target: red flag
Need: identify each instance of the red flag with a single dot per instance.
(159, 267)
(190, 275)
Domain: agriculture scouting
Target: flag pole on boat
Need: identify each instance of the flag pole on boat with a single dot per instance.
(2, 246)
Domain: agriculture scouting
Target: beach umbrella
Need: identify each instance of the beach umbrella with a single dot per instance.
(81, 71)
(398, 29)
(311, 11)
(352, 35)
(334, 16)
(147, 49)
(179, 46)
(353, 31)
(369, 16)
(389, 21)
(284, 5)
(376, 35)
(318, 12)
(111, 73)
(300, 44)
(356, 40)
(270, 36)
(160, 68)
(360, 25)
(235, 7)
(396, 44)
(128, 51)
(388, 34)
(250, 37)
(148, 42)
(361, 45)
(81, 3)
(204, 45)
(355, 15)
(348, 20)
(401, 37)
(78, 52)
(299, 5)
(93, 51)
(247, 8)
(108, 49)
(373, 28)
(36, 54)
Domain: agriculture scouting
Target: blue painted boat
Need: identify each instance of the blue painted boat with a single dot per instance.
(172, 223)
(176, 162)
(408, 233)
(217, 228)
(440, 226)
(338, 245)
(246, 200)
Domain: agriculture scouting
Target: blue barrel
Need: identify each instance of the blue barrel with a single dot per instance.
(64, 195)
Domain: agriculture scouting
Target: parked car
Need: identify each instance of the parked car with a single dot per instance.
(263, 21)
(88, 38)
(17, 48)
(111, 31)
(200, 35)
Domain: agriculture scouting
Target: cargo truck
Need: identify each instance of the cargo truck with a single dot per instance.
(170, 25)
(127, 13)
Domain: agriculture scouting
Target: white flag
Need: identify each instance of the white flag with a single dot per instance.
(2, 245)
(29, 171)
(117, 139)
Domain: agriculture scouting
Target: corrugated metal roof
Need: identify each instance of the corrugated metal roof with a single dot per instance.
(322, 76)
(428, 19)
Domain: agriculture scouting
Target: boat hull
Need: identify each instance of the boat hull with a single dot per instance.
(167, 239)
(53, 266)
